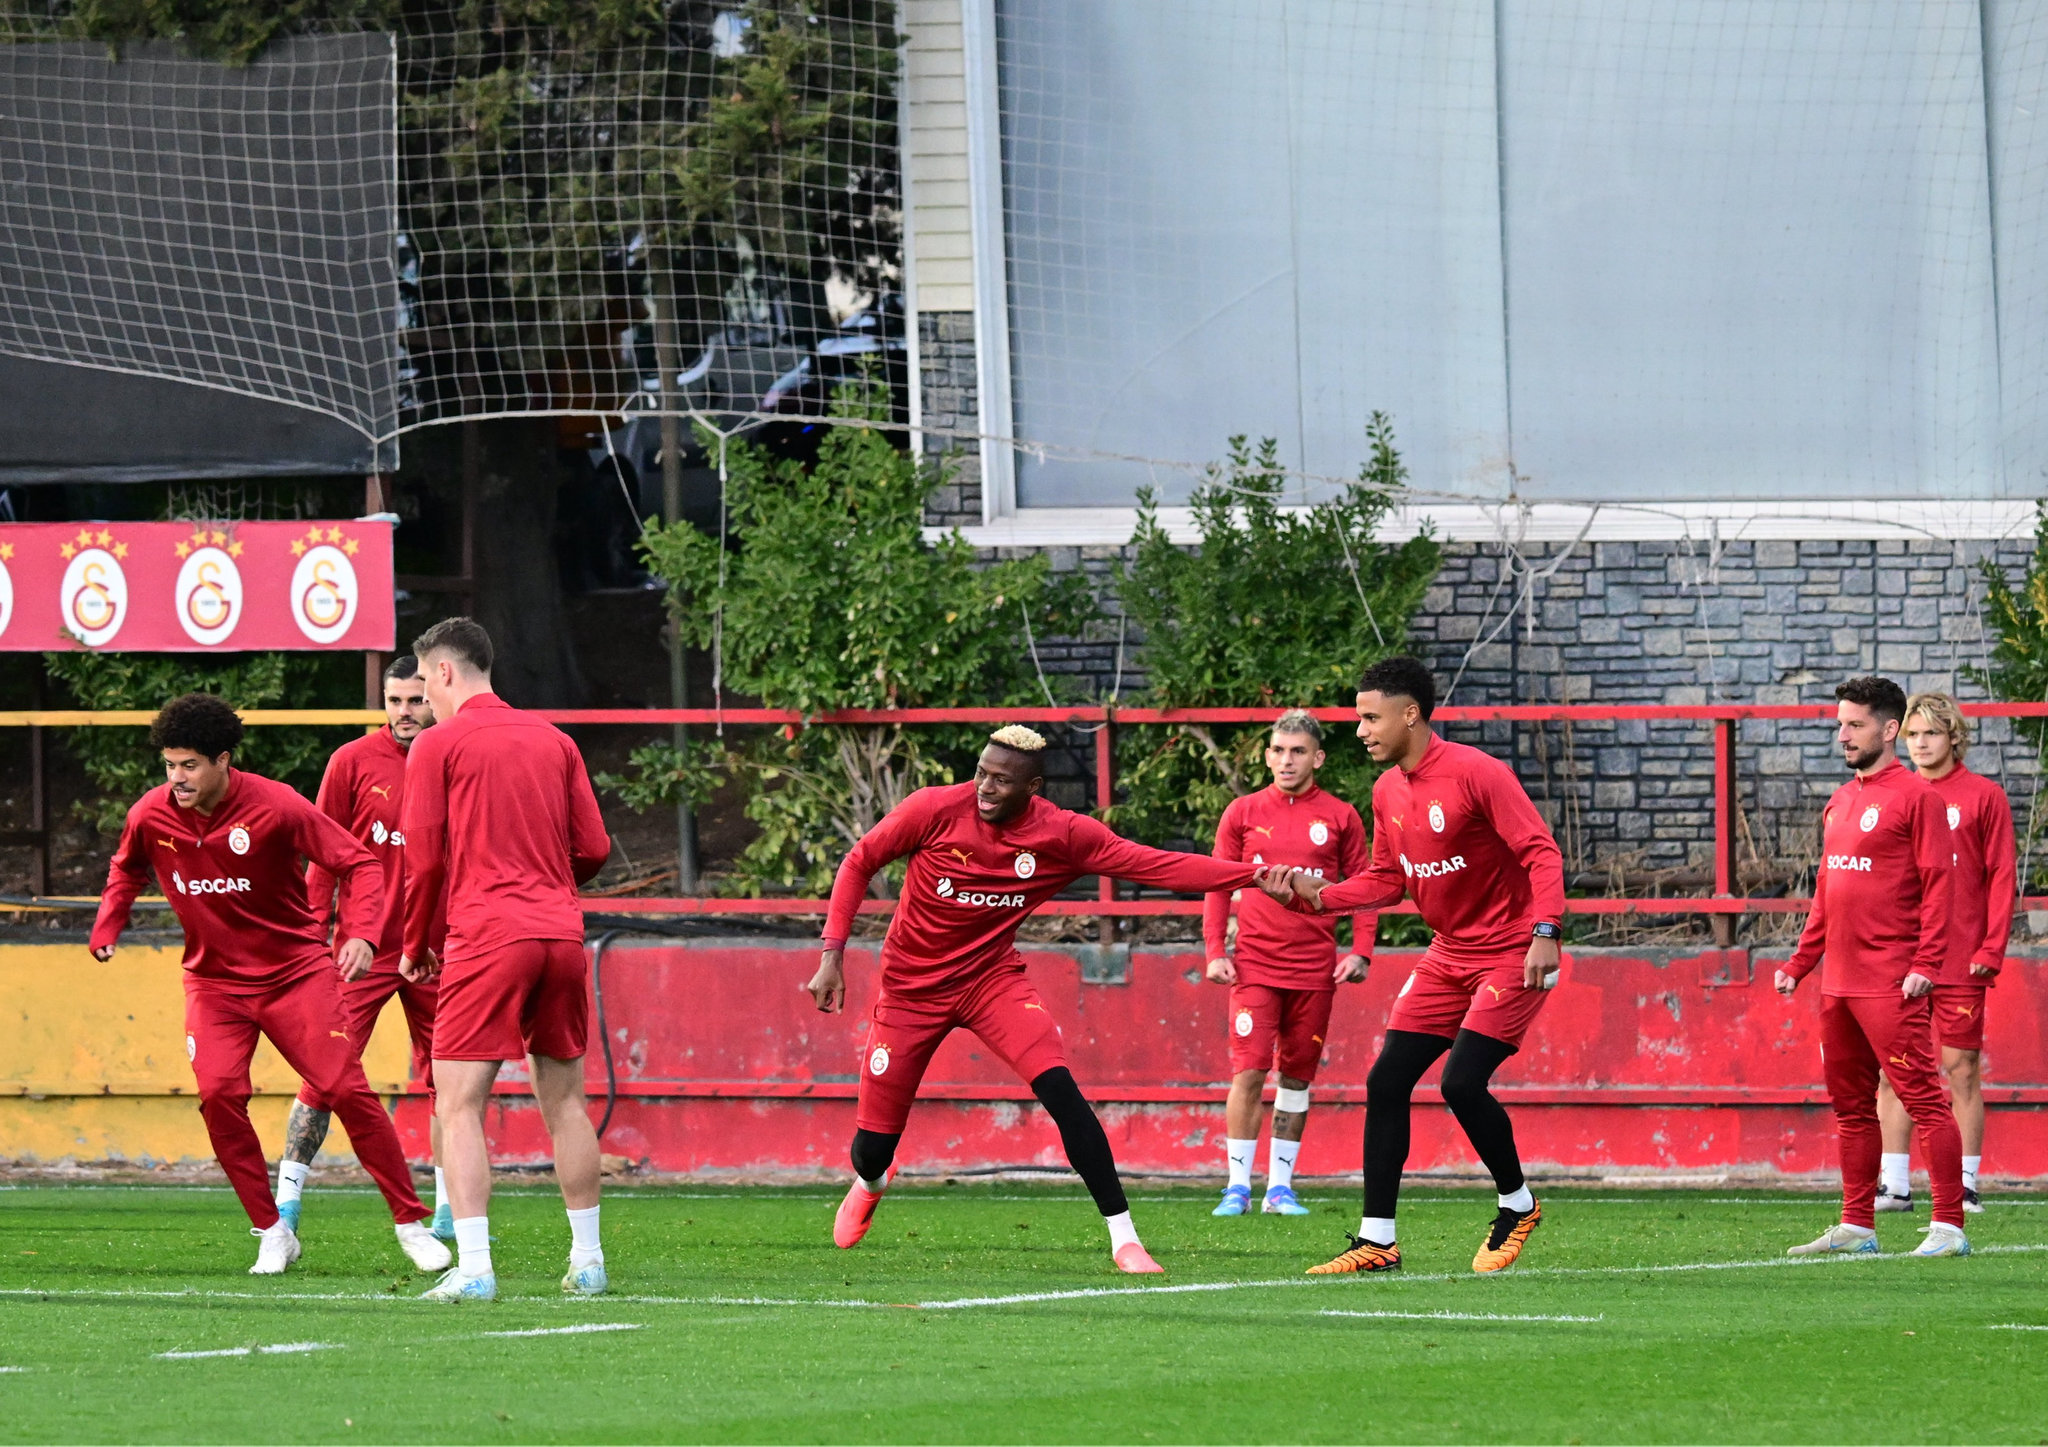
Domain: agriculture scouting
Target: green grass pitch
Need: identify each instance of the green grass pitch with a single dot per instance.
(1646, 1318)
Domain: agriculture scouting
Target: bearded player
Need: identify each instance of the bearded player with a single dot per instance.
(500, 828)
(983, 855)
(1453, 827)
(1879, 926)
(1980, 923)
(1282, 982)
(362, 791)
(225, 847)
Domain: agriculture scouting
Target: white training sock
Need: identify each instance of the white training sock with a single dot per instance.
(1857, 1230)
(1280, 1163)
(1121, 1232)
(1970, 1165)
(440, 1188)
(873, 1188)
(1377, 1229)
(473, 1245)
(1894, 1173)
(291, 1180)
(1240, 1155)
(1522, 1200)
(583, 1247)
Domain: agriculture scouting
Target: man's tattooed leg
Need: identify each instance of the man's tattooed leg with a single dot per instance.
(304, 1133)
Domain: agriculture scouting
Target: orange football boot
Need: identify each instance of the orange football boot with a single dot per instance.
(857, 1212)
(1134, 1260)
(1362, 1255)
(1505, 1238)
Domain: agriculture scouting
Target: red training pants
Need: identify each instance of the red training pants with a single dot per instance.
(303, 1020)
(1860, 1036)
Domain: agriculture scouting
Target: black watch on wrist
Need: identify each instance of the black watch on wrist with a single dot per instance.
(1545, 930)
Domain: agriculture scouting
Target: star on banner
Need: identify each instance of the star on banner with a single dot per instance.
(6, 552)
(334, 535)
(298, 547)
(350, 547)
(199, 537)
(183, 550)
(234, 550)
(67, 552)
(84, 538)
(105, 537)
(120, 550)
(219, 537)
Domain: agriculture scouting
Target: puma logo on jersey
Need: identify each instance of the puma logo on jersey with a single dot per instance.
(1497, 991)
(1033, 1005)
(1966, 1011)
(1265, 829)
(382, 791)
(168, 843)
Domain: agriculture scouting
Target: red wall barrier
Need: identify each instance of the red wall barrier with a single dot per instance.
(1643, 1060)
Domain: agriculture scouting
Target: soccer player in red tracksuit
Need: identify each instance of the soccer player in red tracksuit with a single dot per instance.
(1282, 982)
(500, 827)
(1980, 923)
(1880, 918)
(225, 845)
(1454, 827)
(983, 855)
(362, 791)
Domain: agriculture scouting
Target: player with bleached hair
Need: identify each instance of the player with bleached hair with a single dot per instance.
(983, 855)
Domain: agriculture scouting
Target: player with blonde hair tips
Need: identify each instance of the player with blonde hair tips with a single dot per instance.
(983, 855)
(1981, 894)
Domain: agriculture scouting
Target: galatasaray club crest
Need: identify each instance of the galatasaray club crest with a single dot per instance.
(1955, 815)
(324, 589)
(238, 839)
(1027, 864)
(1869, 819)
(878, 1060)
(208, 594)
(1243, 1024)
(93, 596)
(1319, 833)
(6, 587)
(1436, 816)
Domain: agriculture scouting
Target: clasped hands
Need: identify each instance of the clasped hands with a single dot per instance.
(1286, 883)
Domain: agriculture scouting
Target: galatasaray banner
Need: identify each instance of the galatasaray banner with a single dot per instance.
(196, 588)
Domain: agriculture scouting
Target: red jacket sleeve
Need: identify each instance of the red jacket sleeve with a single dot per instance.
(127, 873)
(1379, 884)
(898, 833)
(1527, 837)
(1097, 850)
(1354, 860)
(2001, 880)
(343, 856)
(590, 843)
(1814, 938)
(1216, 903)
(333, 801)
(1934, 857)
(424, 822)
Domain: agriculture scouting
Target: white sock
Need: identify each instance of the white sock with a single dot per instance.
(440, 1188)
(873, 1188)
(1280, 1163)
(1970, 1165)
(473, 1245)
(1121, 1232)
(291, 1180)
(583, 1247)
(1377, 1229)
(1857, 1230)
(1520, 1200)
(1894, 1173)
(1240, 1155)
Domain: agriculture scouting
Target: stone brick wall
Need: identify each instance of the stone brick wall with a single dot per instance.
(952, 405)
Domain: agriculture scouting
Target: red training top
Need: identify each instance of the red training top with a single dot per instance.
(499, 814)
(1881, 896)
(1311, 831)
(971, 884)
(1459, 833)
(233, 878)
(1986, 875)
(362, 791)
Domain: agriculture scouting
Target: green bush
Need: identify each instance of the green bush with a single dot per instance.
(830, 598)
(2017, 619)
(1270, 609)
(119, 761)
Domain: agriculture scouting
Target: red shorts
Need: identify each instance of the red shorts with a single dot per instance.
(363, 1001)
(1001, 1008)
(1959, 1016)
(1484, 996)
(1263, 1017)
(528, 998)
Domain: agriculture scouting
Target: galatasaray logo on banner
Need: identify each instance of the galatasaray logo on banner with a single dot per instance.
(208, 593)
(92, 596)
(324, 589)
(6, 588)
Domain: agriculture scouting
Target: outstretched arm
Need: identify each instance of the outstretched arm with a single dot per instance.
(1098, 850)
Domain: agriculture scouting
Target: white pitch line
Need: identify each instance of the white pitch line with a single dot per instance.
(571, 1330)
(283, 1348)
(1458, 1316)
(1997, 1326)
(14, 1369)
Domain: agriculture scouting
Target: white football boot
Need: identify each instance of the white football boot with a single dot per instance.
(276, 1249)
(423, 1248)
(1839, 1239)
(1943, 1240)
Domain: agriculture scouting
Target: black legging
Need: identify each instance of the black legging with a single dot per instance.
(1403, 1061)
(1081, 1134)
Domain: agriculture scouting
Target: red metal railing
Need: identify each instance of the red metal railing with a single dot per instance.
(1721, 718)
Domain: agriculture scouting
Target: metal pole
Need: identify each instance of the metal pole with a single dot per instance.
(1105, 795)
(1724, 827)
(373, 661)
(665, 357)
